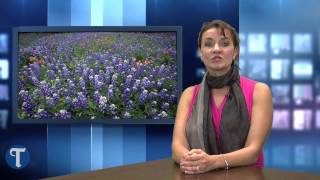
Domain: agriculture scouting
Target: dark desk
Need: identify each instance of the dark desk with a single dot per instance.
(167, 169)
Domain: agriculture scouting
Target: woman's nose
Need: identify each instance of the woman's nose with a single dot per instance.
(216, 48)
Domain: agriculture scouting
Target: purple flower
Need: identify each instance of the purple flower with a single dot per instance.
(103, 103)
(65, 72)
(163, 94)
(82, 100)
(41, 113)
(37, 94)
(51, 101)
(96, 96)
(143, 96)
(163, 114)
(145, 82)
(126, 94)
(45, 88)
(51, 74)
(63, 114)
(82, 83)
(128, 80)
(110, 92)
(28, 107)
(98, 85)
(24, 95)
(114, 79)
(126, 115)
(129, 105)
(71, 87)
(165, 106)
(58, 83)
(35, 81)
(113, 108)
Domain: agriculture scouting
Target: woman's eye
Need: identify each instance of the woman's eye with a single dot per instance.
(224, 43)
(208, 44)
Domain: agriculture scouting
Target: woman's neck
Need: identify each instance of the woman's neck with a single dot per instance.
(218, 73)
(223, 91)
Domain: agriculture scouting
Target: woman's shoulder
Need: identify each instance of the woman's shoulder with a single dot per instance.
(189, 91)
(187, 94)
(259, 87)
(261, 91)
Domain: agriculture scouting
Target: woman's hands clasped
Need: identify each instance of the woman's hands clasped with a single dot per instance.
(197, 161)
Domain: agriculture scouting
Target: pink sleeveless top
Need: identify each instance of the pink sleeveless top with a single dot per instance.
(247, 86)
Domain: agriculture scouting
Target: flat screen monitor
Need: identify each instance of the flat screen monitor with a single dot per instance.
(280, 43)
(279, 69)
(302, 69)
(257, 68)
(302, 119)
(302, 94)
(4, 43)
(281, 119)
(302, 43)
(4, 92)
(257, 43)
(96, 74)
(280, 94)
(4, 69)
(317, 123)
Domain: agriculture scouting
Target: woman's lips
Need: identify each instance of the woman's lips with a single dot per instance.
(216, 58)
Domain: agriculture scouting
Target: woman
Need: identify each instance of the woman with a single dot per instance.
(224, 121)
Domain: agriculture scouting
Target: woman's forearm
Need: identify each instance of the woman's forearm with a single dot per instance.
(241, 157)
(178, 151)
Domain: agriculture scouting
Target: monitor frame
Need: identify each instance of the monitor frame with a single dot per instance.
(58, 29)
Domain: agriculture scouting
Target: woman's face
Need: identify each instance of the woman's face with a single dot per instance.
(217, 51)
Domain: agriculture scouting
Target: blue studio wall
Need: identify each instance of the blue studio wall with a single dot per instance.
(63, 149)
(22, 13)
(286, 57)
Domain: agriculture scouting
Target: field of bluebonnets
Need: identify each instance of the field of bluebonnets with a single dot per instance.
(97, 75)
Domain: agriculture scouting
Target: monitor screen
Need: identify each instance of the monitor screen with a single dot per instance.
(280, 43)
(257, 69)
(279, 69)
(317, 123)
(4, 92)
(317, 89)
(302, 119)
(280, 94)
(302, 94)
(97, 74)
(4, 43)
(257, 43)
(302, 69)
(4, 69)
(302, 43)
(281, 119)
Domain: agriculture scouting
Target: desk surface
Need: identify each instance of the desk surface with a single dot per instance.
(167, 169)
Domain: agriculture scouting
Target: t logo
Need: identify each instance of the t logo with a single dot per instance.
(17, 157)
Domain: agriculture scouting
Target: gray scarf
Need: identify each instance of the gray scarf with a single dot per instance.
(234, 125)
